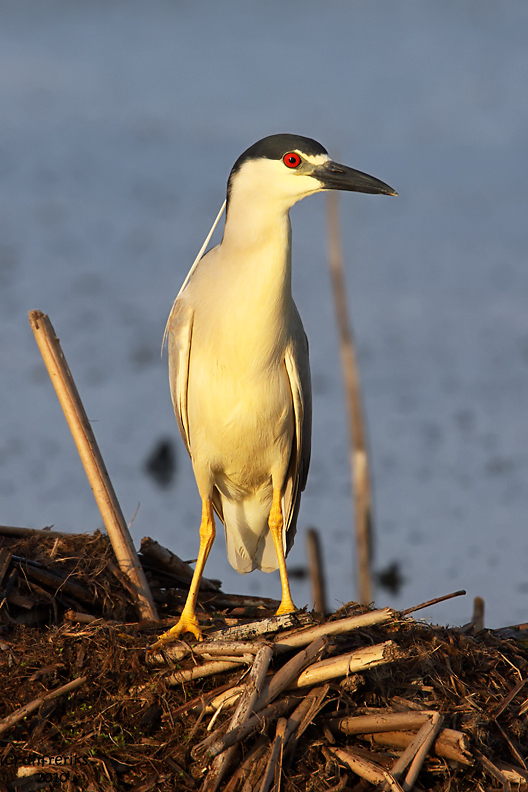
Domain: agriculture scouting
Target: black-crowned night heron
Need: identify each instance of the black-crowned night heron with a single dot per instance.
(238, 362)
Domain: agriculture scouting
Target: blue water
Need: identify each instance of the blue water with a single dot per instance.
(119, 123)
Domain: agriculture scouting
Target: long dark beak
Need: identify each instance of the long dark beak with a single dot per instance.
(340, 177)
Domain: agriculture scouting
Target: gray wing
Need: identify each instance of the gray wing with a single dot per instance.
(179, 333)
(298, 369)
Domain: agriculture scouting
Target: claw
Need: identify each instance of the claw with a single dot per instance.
(187, 623)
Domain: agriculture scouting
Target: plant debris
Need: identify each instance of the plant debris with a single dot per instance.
(298, 702)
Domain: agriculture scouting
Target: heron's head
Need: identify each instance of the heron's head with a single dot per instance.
(280, 170)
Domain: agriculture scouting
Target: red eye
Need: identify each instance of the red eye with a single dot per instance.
(291, 159)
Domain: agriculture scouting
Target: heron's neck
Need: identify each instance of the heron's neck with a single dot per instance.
(255, 260)
(257, 239)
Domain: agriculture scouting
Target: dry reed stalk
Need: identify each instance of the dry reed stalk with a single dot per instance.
(227, 648)
(272, 687)
(509, 697)
(304, 714)
(21, 713)
(286, 676)
(201, 703)
(364, 768)
(92, 460)
(242, 713)
(409, 754)
(82, 618)
(5, 559)
(250, 762)
(9, 530)
(168, 560)
(55, 580)
(226, 699)
(339, 627)
(291, 676)
(179, 649)
(513, 748)
(208, 669)
(435, 601)
(478, 614)
(265, 716)
(515, 775)
(315, 570)
(450, 744)
(423, 742)
(359, 660)
(361, 485)
(382, 722)
(274, 766)
(273, 624)
(494, 771)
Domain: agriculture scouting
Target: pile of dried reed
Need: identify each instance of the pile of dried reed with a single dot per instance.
(298, 702)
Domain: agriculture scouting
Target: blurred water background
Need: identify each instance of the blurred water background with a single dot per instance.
(119, 123)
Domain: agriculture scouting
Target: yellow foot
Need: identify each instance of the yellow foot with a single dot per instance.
(187, 623)
(286, 606)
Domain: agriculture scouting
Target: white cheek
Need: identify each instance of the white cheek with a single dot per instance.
(300, 185)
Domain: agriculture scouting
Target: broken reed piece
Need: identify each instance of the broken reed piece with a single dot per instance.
(274, 766)
(10, 530)
(81, 618)
(249, 765)
(303, 714)
(208, 669)
(273, 624)
(289, 673)
(92, 460)
(450, 744)
(242, 713)
(435, 601)
(54, 580)
(515, 775)
(342, 665)
(271, 689)
(217, 648)
(166, 559)
(315, 570)
(267, 715)
(27, 709)
(303, 637)
(493, 770)
(420, 746)
(364, 768)
(509, 698)
(401, 764)
(382, 722)
(395, 729)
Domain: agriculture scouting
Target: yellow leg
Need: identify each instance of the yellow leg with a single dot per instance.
(276, 525)
(188, 621)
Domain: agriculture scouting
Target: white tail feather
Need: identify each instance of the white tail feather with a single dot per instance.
(248, 538)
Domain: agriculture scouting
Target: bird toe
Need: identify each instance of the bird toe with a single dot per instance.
(188, 623)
